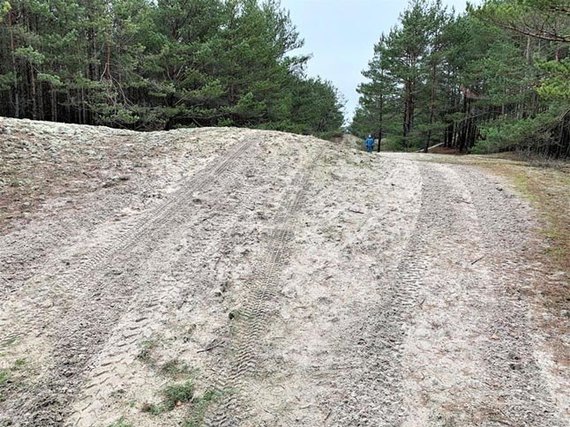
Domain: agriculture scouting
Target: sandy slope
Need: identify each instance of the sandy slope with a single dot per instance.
(295, 282)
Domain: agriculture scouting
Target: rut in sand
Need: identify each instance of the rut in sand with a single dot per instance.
(291, 281)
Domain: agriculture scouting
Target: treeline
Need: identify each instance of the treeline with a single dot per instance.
(494, 79)
(160, 64)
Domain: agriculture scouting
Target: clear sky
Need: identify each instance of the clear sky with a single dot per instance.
(340, 34)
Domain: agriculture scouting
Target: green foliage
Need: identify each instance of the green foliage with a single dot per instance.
(495, 79)
(53, 80)
(163, 64)
(30, 55)
(120, 423)
(178, 393)
(523, 135)
(175, 368)
(199, 407)
(542, 19)
(6, 81)
(5, 7)
(556, 83)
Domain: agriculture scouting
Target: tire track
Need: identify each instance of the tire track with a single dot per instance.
(506, 237)
(370, 388)
(64, 233)
(393, 380)
(20, 314)
(250, 321)
(116, 364)
(75, 339)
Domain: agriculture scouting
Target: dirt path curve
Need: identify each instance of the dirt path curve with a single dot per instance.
(293, 282)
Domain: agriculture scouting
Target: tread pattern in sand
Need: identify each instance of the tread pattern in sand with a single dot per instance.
(19, 314)
(256, 308)
(92, 282)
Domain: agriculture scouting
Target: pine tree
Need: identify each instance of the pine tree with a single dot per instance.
(146, 64)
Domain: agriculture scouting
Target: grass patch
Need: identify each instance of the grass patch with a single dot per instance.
(4, 375)
(146, 353)
(199, 407)
(4, 378)
(19, 364)
(153, 409)
(178, 393)
(173, 396)
(121, 423)
(175, 369)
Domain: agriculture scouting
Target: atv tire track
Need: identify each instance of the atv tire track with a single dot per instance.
(251, 319)
(91, 283)
(116, 363)
(361, 290)
(19, 315)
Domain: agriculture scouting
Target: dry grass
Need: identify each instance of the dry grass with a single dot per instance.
(547, 187)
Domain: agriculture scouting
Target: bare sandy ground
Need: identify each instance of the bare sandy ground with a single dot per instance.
(292, 281)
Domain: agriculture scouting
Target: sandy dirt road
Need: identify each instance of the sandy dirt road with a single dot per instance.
(293, 282)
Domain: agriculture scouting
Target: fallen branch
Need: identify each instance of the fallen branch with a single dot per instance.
(210, 348)
(477, 260)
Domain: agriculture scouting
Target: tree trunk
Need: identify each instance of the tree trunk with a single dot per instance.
(33, 87)
(431, 105)
(107, 72)
(53, 94)
(381, 117)
(407, 108)
(465, 124)
(16, 95)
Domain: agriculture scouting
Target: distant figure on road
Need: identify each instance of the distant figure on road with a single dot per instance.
(369, 143)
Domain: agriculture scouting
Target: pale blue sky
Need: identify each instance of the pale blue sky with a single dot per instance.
(340, 34)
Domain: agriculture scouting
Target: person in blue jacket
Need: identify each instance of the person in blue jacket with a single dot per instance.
(369, 143)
